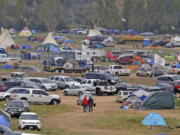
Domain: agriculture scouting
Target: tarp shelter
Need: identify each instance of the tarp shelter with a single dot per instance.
(94, 33)
(147, 42)
(5, 39)
(25, 32)
(50, 40)
(53, 49)
(158, 100)
(26, 46)
(4, 121)
(133, 32)
(47, 46)
(33, 31)
(153, 119)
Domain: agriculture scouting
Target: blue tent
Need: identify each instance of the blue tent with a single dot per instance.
(26, 46)
(177, 65)
(59, 37)
(153, 119)
(39, 51)
(130, 31)
(67, 41)
(4, 121)
(33, 31)
(54, 49)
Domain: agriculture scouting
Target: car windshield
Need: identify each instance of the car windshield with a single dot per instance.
(29, 117)
(15, 104)
(68, 79)
(176, 77)
(46, 81)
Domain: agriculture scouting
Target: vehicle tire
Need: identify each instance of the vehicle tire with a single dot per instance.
(116, 74)
(65, 93)
(7, 98)
(66, 87)
(24, 98)
(54, 102)
(98, 92)
(80, 93)
(137, 75)
(44, 88)
(38, 129)
(57, 71)
(62, 71)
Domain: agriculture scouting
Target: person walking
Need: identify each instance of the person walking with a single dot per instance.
(91, 104)
(85, 104)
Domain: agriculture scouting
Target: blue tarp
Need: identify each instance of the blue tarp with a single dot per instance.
(147, 42)
(59, 37)
(4, 121)
(33, 31)
(7, 66)
(39, 51)
(153, 119)
(26, 46)
(67, 41)
(54, 49)
(177, 65)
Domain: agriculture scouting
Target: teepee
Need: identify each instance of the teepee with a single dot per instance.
(6, 39)
(50, 40)
(25, 32)
(94, 33)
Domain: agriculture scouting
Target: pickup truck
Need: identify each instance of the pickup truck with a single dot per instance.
(13, 76)
(37, 96)
(5, 59)
(118, 70)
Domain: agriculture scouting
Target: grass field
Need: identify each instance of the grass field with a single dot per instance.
(107, 119)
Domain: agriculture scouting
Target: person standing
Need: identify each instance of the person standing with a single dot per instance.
(85, 104)
(91, 104)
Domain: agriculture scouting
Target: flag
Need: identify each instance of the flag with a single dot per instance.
(123, 19)
(159, 61)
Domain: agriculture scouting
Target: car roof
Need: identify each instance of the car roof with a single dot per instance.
(28, 113)
(35, 78)
(168, 75)
(17, 73)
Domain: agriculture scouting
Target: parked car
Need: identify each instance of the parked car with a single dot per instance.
(46, 83)
(16, 107)
(14, 76)
(64, 81)
(101, 76)
(89, 83)
(37, 96)
(122, 95)
(177, 86)
(7, 131)
(2, 87)
(170, 79)
(77, 90)
(29, 69)
(118, 70)
(13, 83)
(163, 87)
(81, 97)
(144, 72)
(29, 120)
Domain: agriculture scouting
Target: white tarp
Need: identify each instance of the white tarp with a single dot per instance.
(50, 40)
(94, 33)
(6, 39)
(159, 61)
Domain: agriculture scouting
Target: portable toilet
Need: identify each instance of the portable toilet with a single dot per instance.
(146, 42)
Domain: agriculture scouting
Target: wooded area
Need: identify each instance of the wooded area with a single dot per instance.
(141, 15)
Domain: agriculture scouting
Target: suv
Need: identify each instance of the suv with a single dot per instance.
(64, 81)
(170, 79)
(101, 76)
(123, 95)
(38, 96)
(16, 107)
(29, 120)
(46, 83)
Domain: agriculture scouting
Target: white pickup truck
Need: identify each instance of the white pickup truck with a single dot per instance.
(4, 58)
(118, 70)
(37, 96)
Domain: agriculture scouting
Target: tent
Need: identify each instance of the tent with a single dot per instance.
(50, 40)
(94, 33)
(5, 39)
(4, 121)
(158, 100)
(53, 49)
(25, 32)
(33, 31)
(153, 119)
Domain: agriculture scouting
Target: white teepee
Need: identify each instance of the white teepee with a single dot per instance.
(6, 39)
(25, 32)
(94, 33)
(50, 40)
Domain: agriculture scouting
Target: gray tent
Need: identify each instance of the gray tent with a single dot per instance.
(158, 100)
